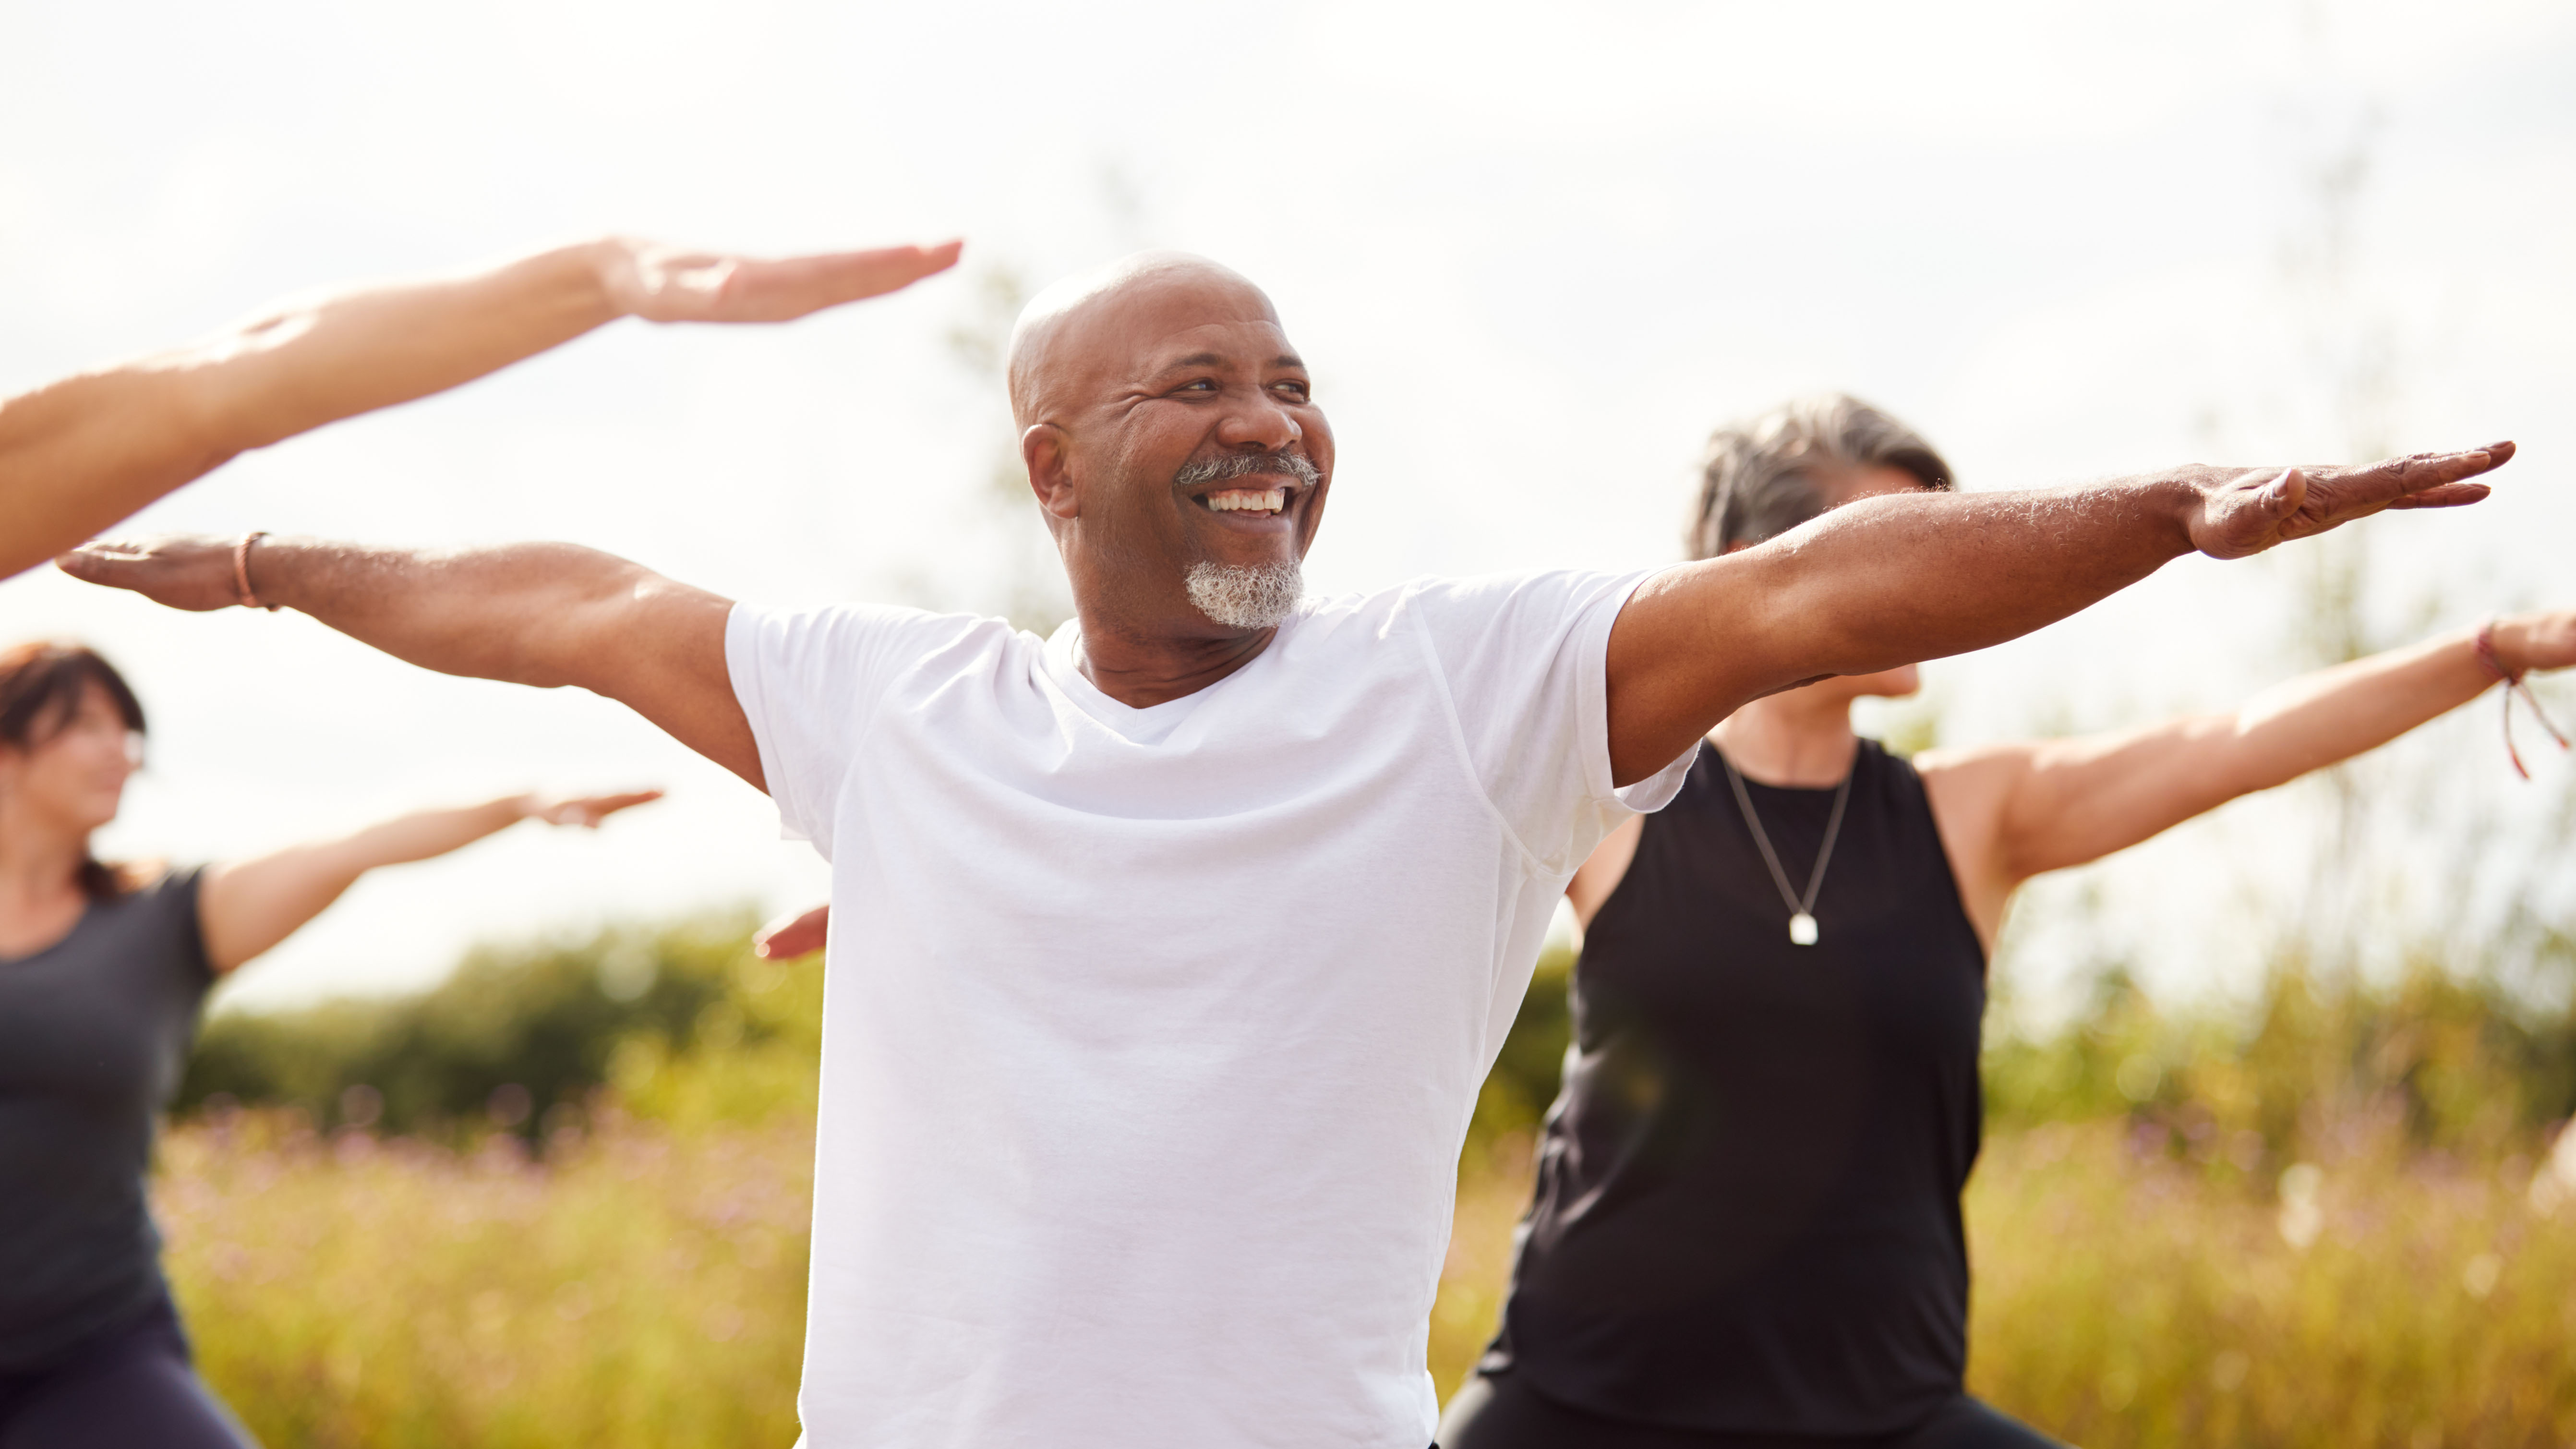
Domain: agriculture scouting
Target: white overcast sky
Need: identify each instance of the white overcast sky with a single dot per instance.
(1534, 252)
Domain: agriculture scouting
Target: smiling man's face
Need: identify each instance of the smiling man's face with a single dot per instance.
(1172, 435)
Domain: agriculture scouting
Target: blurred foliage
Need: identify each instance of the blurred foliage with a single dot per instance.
(2460, 1063)
(682, 1017)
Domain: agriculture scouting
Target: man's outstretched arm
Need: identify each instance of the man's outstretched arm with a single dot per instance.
(1900, 578)
(79, 454)
(544, 614)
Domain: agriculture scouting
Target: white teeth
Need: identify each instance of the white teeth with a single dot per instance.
(1249, 500)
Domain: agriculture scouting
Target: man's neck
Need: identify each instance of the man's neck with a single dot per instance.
(1784, 740)
(1141, 669)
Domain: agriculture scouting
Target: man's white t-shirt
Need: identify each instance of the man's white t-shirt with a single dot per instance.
(1150, 1036)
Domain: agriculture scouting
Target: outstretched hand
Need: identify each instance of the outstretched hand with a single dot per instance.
(795, 935)
(2246, 512)
(587, 811)
(667, 284)
(192, 571)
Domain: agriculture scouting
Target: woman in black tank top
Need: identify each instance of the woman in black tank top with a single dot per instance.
(102, 974)
(1746, 1228)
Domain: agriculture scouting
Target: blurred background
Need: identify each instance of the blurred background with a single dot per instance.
(2255, 1085)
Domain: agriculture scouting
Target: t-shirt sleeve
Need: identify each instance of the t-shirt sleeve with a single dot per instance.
(810, 682)
(173, 900)
(1524, 658)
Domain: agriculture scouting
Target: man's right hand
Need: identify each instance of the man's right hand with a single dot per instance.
(192, 571)
(2237, 512)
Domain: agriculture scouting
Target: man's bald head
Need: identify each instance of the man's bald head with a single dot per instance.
(1084, 331)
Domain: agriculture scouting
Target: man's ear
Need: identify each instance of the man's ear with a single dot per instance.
(1043, 452)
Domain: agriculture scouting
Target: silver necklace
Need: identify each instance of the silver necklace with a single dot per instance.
(1802, 912)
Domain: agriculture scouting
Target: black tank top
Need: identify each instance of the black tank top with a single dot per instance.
(1747, 1213)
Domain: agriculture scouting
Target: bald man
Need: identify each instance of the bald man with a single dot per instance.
(1190, 932)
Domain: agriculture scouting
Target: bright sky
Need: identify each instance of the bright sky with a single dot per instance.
(1534, 253)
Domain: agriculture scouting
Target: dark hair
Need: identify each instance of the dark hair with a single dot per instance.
(41, 685)
(1759, 480)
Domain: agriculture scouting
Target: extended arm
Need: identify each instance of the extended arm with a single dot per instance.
(543, 614)
(2008, 812)
(1900, 578)
(247, 907)
(79, 454)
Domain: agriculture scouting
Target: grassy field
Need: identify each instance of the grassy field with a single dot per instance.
(642, 1285)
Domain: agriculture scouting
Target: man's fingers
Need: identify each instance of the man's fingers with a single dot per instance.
(2419, 480)
(793, 935)
(2446, 495)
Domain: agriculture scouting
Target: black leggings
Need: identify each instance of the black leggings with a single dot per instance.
(1501, 1411)
(128, 1388)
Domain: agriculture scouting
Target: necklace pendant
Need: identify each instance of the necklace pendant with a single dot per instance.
(1802, 929)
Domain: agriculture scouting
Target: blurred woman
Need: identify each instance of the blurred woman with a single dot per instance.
(1746, 1228)
(103, 969)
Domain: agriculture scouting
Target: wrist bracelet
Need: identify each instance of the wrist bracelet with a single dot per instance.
(242, 594)
(2484, 644)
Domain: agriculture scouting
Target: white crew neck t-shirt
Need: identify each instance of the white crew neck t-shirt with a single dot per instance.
(1150, 1036)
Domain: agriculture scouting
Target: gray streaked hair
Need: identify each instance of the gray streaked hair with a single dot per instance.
(1767, 474)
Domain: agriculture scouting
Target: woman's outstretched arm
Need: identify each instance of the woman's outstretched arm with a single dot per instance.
(79, 454)
(247, 907)
(2008, 812)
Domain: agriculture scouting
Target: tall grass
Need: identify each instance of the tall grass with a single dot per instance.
(638, 1286)
(643, 1286)
(2334, 1223)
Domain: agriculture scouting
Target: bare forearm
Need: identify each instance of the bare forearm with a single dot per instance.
(84, 452)
(1900, 578)
(1884, 581)
(1905, 578)
(424, 834)
(2066, 802)
(2334, 714)
(520, 613)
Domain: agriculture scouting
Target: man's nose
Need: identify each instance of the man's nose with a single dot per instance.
(1260, 424)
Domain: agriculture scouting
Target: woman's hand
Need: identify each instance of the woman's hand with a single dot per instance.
(671, 284)
(586, 811)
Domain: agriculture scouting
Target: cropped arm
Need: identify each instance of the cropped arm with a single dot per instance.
(81, 453)
(249, 906)
(2009, 812)
(543, 614)
(1901, 578)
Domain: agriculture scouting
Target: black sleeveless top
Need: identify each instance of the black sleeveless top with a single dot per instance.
(1747, 1213)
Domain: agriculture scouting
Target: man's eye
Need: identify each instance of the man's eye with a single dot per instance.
(1294, 389)
(1204, 384)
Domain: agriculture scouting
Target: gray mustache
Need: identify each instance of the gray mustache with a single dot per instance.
(1249, 465)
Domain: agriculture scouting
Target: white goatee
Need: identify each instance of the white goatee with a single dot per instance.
(1246, 596)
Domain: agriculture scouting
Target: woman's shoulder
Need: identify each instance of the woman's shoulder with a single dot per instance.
(151, 888)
